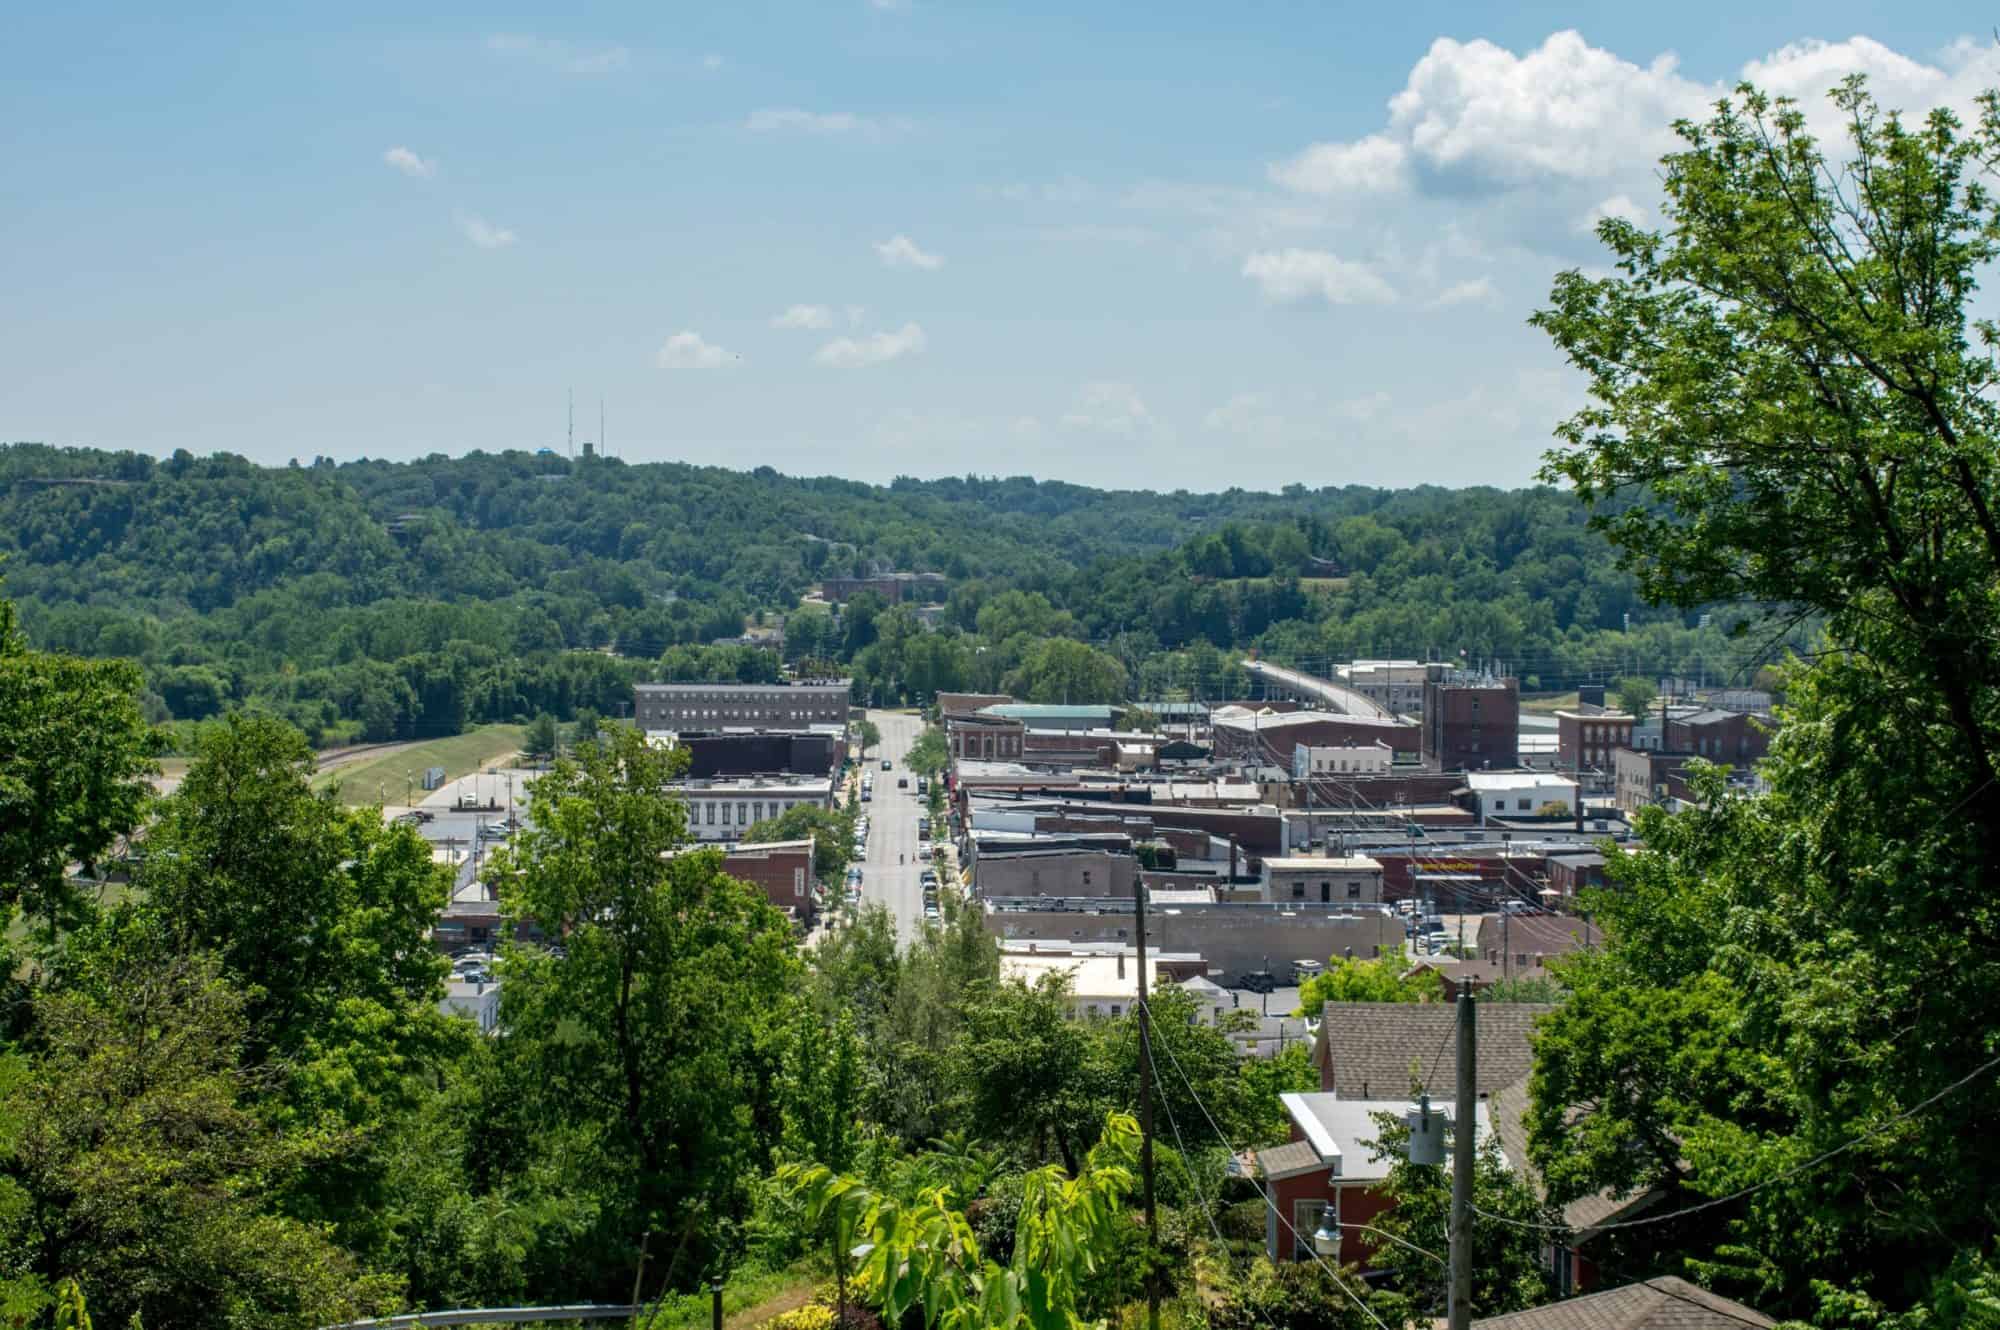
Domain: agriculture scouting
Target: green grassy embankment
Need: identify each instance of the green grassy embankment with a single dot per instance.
(387, 778)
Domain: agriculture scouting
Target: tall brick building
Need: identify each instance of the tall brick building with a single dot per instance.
(1471, 719)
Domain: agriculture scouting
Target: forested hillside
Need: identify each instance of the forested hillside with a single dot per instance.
(391, 599)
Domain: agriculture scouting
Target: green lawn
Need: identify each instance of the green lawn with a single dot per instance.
(387, 777)
(1545, 704)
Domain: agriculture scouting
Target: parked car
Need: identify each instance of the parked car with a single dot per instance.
(902, 782)
(1258, 981)
(494, 830)
(885, 764)
(1304, 970)
(923, 785)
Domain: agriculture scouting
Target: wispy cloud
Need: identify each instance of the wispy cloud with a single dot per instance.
(690, 350)
(562, 57)
(1477, 291)
(1109, 407)
(874, 349)
(485, 234)
(797, 120)
(711, 61)
(410, 164)
(899, 251)
(804, 316)
(1297, 276)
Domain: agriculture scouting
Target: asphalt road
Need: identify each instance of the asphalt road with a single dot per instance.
(892, 826)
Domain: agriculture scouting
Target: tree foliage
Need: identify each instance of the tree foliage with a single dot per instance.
(653, 1026)
(1789, 409)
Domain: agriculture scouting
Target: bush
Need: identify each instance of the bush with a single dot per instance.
(812, 1316)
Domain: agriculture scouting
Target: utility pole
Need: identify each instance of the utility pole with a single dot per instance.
(1466, 1112)
(1146, 1118)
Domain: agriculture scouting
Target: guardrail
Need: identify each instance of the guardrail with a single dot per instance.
(584, 1311)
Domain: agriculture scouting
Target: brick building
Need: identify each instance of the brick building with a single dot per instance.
(984, 738)
(916, 588)
(1471, 721)
(1590, 736)
(718, 706)
(1730, 737)
(1643, 778)
(1271, 739)
(784, 869)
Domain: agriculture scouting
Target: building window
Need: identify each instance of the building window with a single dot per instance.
(1117, 1010)
(1298, 891)
(1354, 891)
(1306, 1216)
(743, 813)
(711, 813)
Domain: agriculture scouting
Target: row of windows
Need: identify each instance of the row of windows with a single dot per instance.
(728, 713)
(1325, 891)
(748, 812)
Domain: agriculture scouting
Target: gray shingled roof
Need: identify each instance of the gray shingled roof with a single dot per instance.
(1665, 1303)
(1373, 1046)
(1287, 1158)
(1509, 1105)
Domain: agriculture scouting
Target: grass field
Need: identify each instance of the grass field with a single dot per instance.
(387, 777)
(1544, 704)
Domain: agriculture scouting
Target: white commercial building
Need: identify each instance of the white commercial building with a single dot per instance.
(1518, 793)
(721, 811)
(1326, 880)
(1341, 760)
(1103, 978)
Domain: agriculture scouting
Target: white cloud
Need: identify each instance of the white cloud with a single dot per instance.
(690, 350)
(485, 234)
(1569, 111)
(1109, 407)
(1293, 276)
(856, 313)
(560, 56)
(793, 120)
(874, 349)
(1479, 290)
(1371, 165)
(1245, 415)
(409, 163)
(899, 251)
(804, 316)
(1620, 206)
(711, 61)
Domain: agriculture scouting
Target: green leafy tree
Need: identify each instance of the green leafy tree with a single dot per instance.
(866, 736)
(321, 915)
(1386, 978)
(1027, 1073)
(539, 742)
(1785, 376)
(929, 755)
(923, 1254)
(1634, 695)
(1508, 1272)
(653, 1024)
(74, 756)
(1060, 670)
(144, 1169)
(831, 832)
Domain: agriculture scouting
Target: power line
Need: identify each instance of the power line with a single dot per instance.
(1754, 1188)
(1269, 1200)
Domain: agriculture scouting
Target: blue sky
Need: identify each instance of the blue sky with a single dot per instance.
(1162, 245)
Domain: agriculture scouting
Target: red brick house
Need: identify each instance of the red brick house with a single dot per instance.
(1365, 1052)
(1366, 1048)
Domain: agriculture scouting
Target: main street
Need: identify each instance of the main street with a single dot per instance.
(892, 820)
